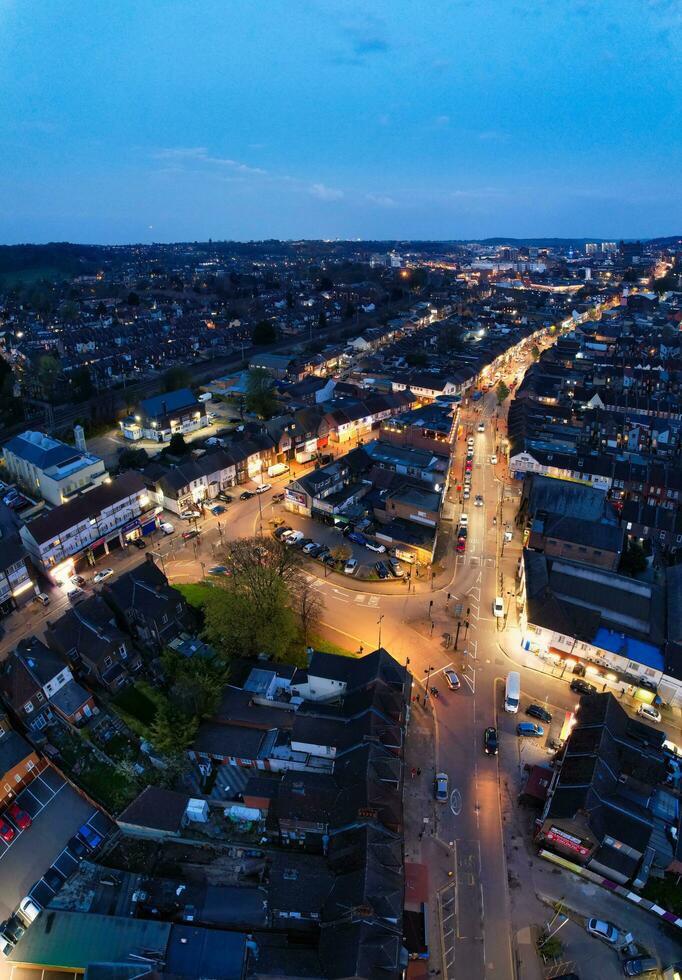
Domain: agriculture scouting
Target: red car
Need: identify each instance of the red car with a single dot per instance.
(469, 466)
(7, 832)
(19, 817)
(461, 546)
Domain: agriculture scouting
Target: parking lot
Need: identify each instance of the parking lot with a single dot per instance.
(56, 811)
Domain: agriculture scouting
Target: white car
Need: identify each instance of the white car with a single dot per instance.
(464, 520)
(102, 574)
(350, 566)
(294, 537)
(481, 426)
(493, 459)
(467, 492)
(187, 515)
(498, 606)
(479, 500)
(603, 930)
(264, 487)
(28, 910)
(451, 679)
(166, 527)
(648, 712)
(374, 546)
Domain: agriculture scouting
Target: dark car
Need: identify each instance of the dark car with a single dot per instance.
(323, 553)
(357, 538)
(303, 542)
(77, 848)
(490, 741)
(188, 535)
(53, 879)
(140, 543)
(329, 560)
(12, 929)
(247, 495)
(90, 836)
(639, 966)
(315, 550)
(277, 498)
(579, 686)
(282, 529)
(536, 711)
(462, 532)
(381, 569)
(225, 497)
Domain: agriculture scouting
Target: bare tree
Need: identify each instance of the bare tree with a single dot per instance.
(307, 604)
(261, 566)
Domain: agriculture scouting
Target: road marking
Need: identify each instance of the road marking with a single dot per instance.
(456, 802)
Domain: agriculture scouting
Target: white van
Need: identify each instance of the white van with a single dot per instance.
(512, 692)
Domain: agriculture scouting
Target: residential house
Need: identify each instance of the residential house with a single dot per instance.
(588, 542)
(156, 814)
(36, 683)
(16, 583)
(152, 611)
(163, 416)
(181, 487)
(77, 533)
(89, 639)
(51, 469)
(19, 764)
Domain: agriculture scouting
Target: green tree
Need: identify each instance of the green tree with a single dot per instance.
(82, 387)
(176, 377)
(264, 333)
(260, 394)
(133, 299)
(48, 372)
(322, 320)
(349, 311)
(535, 352)
(502, 392)
(132, 459)
(172, 730)
(633, 559)
(416, 358)
(450, 339)
(177, 445)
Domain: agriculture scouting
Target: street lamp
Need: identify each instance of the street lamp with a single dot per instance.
(428, 671)
(379, 625)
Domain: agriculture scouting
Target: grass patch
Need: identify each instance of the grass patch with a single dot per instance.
(664, 892)
(136, 702)
(325, 646)
(105, 783)
(195, 593)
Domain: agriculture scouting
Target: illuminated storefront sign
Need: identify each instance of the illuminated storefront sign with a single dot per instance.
(563, 839)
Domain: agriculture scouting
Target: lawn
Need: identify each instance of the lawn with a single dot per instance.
(325, 646)
(195, 593)
(139, 701)
(106, 784)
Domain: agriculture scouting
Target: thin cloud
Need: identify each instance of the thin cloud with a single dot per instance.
(492, 135)
(381, 200)
(324, 193)
(200, 155)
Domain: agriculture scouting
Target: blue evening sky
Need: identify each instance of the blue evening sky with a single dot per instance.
(162, 120)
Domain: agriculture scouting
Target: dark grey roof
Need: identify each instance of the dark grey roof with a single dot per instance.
(86, 505)
(171, 401)
(13, 750)
(156, 808)
(70, 698)
(89, 628)
(235, 741)
(44, 664)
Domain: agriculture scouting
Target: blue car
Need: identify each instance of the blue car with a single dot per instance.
(358, 538)
(218, 509)
(527, 729)
(89, 836)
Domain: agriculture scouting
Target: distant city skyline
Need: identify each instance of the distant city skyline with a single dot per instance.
(331, 119)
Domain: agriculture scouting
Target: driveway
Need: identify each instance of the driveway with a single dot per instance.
(57, 812)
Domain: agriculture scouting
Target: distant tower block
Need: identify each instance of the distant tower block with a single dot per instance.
(79, 436)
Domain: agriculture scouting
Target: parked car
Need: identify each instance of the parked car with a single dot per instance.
(19, 817)
(76, 595)
(375, 546)
(12, 929)
(77, 848)
(639, 966)
(381, 569)
(188, 515)
(579, 686)
(395, 568)
(90, 836)
(469, 466)
(102, 574)
(42, 598)
(527, 729)
(140, 543)
(54, 879)
(350, 567)
(78, 581)
(478, 500)
(294, 537)
(188, 535)
(461, 546)
(467, 493)
(263, 487)
(217, 509)
(329, 559)
(464, 520)
(246, 495)
(606, 931)
(225, 497)
(28, 910)
(218, 570)
(490, 741)
(649, 713)
(282, 531)
(481, 426)
(493, 459)
(309, 546)
(451, 679)
(315, 550)
(498, 606)
(166, 527)
(441, 787)
(7, 831)
(357, 538)
(536, 711)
